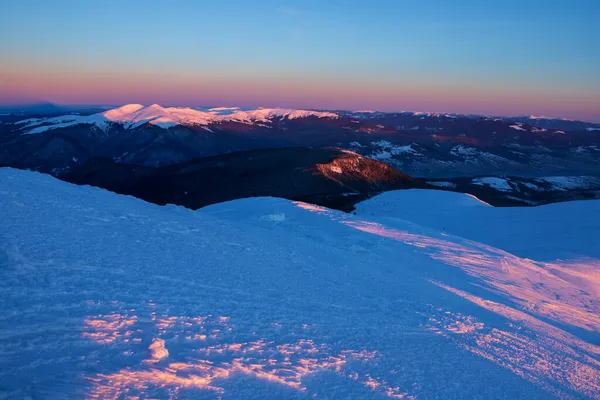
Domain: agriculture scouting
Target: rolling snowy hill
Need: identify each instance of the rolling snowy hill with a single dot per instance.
(106, 296)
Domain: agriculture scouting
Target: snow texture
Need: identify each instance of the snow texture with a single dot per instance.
(500, 184)
(386, 150)
(420, 295)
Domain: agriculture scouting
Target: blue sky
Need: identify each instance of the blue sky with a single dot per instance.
(516, 51)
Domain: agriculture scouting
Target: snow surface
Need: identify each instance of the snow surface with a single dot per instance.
(422, 294)
(476, 156)
(532, 186)
(28, 121)
(538, 117)
(356, 144)
(386, 150)
(592, 129)
(443, 184)
(571, 182)
(494, 182)
(461, 150)
(134, 115)
(518, 128)
(432, 114)
(563, 183)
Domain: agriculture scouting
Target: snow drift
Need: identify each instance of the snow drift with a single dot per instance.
(106, 296)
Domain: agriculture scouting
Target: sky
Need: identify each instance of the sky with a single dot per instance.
(466, 56)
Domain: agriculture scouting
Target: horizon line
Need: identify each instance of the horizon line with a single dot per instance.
(466, 114)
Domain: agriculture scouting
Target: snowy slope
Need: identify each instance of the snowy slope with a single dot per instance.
(106, 296)
(133, 115)
(555, 231)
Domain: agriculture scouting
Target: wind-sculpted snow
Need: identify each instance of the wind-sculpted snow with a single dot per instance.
(219, 356)
(536, 286)
(545, 360)
(105, 296)
(553, 290)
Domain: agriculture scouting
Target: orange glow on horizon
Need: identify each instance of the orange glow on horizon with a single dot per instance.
(88, 86)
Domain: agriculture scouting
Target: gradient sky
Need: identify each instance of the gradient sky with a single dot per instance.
(467, 56)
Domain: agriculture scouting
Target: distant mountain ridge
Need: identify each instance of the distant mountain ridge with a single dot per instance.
(134, 115)
(329, 177)
(427, 145)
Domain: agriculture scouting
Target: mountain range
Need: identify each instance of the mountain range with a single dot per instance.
(329, 177)
(425, 145)
(240, 152)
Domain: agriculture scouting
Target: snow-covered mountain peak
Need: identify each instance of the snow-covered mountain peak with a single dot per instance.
(224, 108)
(134, 115)
(127, 108)
(533, 116)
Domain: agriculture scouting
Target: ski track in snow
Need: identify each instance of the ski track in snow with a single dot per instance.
(106, 296)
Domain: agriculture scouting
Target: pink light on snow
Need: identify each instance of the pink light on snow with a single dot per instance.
(537, 286)
(528, 347)
(109, 328)
(218, 358)
(566, 293)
